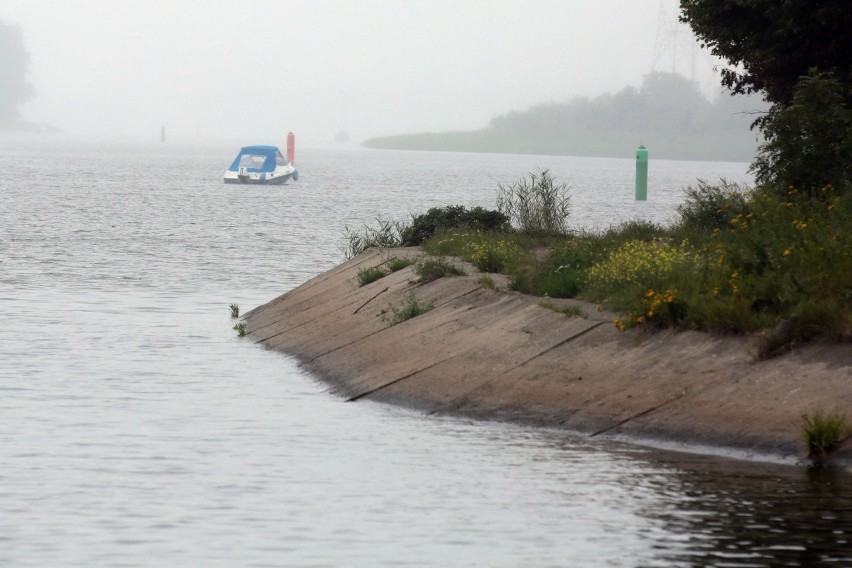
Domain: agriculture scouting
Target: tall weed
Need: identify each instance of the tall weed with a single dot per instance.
(537, 205)
(386, 234)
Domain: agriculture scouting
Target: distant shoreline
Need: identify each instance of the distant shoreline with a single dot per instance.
(22, 126)
(716, 149)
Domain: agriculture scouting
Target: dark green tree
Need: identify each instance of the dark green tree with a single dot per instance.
(14, 65)
(809, 141)
(797, 54)
(771, 43)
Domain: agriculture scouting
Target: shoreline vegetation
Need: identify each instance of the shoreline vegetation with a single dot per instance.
(667, 113)
(736, 260)
(771, 270)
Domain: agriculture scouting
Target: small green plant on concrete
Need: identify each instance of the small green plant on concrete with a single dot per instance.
(235, 311)
(430, 269)
(411, 308)
(487, 282)
(395, 264)
(575, 311)
(240, 329)
(822, 432)
(371, 274)
(569, 310)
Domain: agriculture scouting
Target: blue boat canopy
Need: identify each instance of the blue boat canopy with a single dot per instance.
(258, 159)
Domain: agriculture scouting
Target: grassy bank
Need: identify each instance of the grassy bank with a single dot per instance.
(735, 261)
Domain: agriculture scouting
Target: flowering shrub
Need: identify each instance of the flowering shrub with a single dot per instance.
(491, 255)
(656, 308)
(639, 262)
(788, 257)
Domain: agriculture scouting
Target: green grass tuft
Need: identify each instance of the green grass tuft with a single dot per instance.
(411, 308)
(235, 311)
(430, 269)
(569, 310)
(396, 264)
(371, 274)
(822, 432)
(240, 329)
(487, 282)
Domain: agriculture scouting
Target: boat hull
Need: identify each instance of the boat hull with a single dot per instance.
(248, 180)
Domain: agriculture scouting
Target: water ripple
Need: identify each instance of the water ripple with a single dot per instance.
(136, 429)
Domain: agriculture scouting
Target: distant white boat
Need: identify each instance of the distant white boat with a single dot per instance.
(261, 165)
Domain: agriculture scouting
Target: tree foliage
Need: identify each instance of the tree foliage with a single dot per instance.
(809, 141)
(797, 54)
(771, 43)
(14, 65)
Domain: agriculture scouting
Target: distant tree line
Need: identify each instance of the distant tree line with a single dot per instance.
(14, 66)
(667, 113)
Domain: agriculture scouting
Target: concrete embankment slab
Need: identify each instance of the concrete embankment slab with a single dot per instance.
(501, 355)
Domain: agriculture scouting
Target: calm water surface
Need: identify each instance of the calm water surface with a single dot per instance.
(136, 429)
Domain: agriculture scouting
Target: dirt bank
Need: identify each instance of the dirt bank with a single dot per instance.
(500, 355)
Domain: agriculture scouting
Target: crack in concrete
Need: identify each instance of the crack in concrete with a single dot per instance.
(459, 403)
(394, 381)
(454, 298)
(551, 348)
(307, 322)
(370, 300)
(290, 315)
(354, 341)
(635, 416)
(319, 279)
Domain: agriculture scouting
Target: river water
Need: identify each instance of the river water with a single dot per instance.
(136, 429)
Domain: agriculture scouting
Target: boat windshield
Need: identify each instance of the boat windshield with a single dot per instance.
(279, 159)
(254, 161)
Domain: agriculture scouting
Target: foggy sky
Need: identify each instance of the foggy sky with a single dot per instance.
(252, 70)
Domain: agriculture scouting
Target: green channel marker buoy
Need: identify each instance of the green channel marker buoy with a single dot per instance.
(641, 173)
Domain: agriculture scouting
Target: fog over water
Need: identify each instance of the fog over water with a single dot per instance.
(253, 70)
